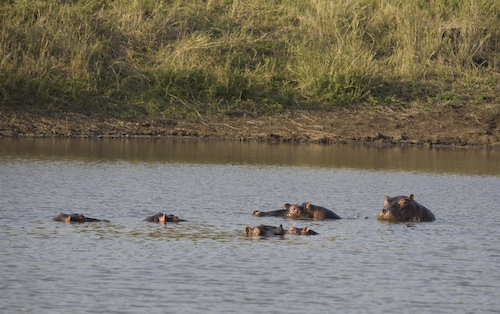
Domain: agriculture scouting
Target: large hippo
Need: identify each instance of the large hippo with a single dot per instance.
(163, 218)
(301, 231)
(310, 211)
(402, 208)
(267, 231)
(75, 218)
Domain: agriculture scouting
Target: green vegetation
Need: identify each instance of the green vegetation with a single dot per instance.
(190, 57)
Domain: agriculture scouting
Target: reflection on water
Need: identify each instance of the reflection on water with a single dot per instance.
(437, 160)
(207, 264)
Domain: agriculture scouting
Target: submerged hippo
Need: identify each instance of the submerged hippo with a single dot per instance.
(308, 211)
(402, 208)
(75, 218)
(163, 218)
(266, 231)
(273, 213)
(301, 231)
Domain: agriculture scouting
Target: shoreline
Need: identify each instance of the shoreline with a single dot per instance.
(443, 126)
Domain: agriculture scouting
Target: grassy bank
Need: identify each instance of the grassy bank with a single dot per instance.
(194, 57)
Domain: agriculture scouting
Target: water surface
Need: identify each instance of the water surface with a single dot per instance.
(207, 265)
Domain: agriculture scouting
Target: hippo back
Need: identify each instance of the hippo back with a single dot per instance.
(427, 215)
(273, 213)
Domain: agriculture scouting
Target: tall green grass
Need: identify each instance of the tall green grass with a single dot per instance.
(192, 57)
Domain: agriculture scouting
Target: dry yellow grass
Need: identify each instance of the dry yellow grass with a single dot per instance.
(191, 58)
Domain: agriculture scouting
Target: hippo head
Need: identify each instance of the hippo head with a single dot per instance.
(400, 208)
(252, 231)
(162, 218)
(257, 231)
(301, 231)
(267, 231)
(299, 211)
(294, 211)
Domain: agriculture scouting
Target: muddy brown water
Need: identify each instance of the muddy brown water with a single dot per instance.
(207, 265)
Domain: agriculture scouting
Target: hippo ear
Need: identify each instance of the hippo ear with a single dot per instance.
(411, 197)
(308, 205)
(248, 230)
(306, 229)
(386, 201)
(280, 230)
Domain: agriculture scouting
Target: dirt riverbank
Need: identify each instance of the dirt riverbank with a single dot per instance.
(467, 125)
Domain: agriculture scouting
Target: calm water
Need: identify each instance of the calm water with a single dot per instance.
(207, 265)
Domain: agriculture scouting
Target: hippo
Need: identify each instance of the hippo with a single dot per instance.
(308, 211)
(266, 231)
(76, 218)
(163, 218)
(402, 208)
(301, 231)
